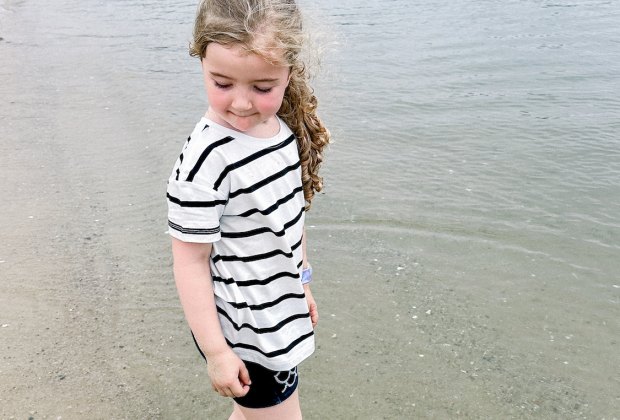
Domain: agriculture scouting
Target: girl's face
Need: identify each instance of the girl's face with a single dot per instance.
(244, 90)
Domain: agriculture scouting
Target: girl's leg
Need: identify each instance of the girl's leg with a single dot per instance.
(288, 410)
(236, 414)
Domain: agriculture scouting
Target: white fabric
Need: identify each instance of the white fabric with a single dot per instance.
(244, 195)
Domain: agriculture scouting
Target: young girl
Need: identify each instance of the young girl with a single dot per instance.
(237, 198)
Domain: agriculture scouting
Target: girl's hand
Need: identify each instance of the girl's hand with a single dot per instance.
(312, 308)
(228, 374)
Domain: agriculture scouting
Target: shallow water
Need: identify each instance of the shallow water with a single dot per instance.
(468, 239)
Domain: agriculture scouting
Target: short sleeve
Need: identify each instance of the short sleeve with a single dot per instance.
(194, 211)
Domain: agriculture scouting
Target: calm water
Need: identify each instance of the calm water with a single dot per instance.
(486, 120)
(477, 139)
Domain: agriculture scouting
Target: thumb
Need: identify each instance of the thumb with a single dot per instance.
(244, 375)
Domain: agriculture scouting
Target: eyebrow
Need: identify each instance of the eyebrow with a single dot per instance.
(216, 74)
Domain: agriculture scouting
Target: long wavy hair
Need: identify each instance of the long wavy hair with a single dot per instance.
(273, 30)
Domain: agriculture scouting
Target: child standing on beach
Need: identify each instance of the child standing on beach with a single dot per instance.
(237, 198)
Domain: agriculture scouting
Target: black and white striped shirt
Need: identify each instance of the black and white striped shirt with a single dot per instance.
(244, 195)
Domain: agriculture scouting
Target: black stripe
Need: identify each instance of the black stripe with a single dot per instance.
(258, 231)
(266, 181)
(275, 206)
(273, 353)
(257, 257)
(268, 330)
(181, 157)
(261, 306)
(251, 258)
(183, 203)
(179, 167)
(205, 127)
(256, 282)
(193, 231)
(204, 154)
(251, 158)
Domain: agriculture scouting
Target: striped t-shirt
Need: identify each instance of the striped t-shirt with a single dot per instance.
(244, 195)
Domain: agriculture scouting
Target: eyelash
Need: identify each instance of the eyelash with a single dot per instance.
(221, 86)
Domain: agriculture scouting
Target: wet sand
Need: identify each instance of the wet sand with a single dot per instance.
(91, 326)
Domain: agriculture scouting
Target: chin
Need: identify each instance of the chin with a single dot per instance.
(243, 128)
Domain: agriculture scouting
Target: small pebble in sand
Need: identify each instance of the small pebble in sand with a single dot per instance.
(616, 286)
(5, 325)
(428, 312)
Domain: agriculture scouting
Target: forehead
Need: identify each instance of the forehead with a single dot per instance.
(235, 59)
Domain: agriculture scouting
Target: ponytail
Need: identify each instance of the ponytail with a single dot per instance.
(298, 111)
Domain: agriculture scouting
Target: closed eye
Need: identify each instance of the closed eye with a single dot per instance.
(221, 86)
(263, 90)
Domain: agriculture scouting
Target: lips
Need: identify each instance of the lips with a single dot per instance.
(242, 115)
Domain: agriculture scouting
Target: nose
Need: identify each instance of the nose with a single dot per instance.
(241, 101)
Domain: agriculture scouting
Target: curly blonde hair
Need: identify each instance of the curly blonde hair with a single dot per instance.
(273, 30)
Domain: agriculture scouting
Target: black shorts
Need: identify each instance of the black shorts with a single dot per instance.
(269, 387)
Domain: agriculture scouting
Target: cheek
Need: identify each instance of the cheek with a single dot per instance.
(271, 104)
(216, 97)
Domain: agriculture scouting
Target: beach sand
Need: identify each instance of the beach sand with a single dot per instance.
(91, 326)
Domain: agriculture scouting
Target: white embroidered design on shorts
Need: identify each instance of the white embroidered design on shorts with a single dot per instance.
(288, 378)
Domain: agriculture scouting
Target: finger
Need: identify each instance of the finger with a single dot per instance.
(244, 376)
(237, 390)
(224, 392)
(314, 314)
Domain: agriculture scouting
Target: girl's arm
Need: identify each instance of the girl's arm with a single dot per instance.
(312, 308)
(192, 274)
